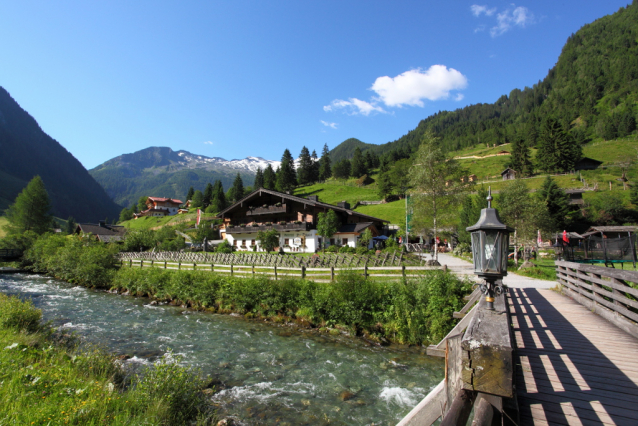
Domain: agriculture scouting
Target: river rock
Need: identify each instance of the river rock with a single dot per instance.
(225, 422)
(346, 395)
(305, 402)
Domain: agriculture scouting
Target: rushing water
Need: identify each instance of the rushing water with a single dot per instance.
(266, 374)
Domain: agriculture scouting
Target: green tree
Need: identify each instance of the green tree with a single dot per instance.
(365, 238)
(304, 172)
(341, 169)
(287, 177)
(558, 152)
(198, 199)
(325, 167)
(30, 211)
(557, 203)
(436, 184)
(268, 240)
(237, 191)
(314, 175)
(327, 225)
(141, 203)
(259, 179)
(189, 196)
(358, 164)
(270, 177)
(219, 197)
(208, 195)
(520, 160)
(633, 195)
(70, 225)
(126, 214)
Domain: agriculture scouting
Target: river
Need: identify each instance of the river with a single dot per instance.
(265, 373)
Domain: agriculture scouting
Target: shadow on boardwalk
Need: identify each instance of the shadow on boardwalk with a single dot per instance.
(573, 366)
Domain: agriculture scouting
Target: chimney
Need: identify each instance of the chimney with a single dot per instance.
(314, 198)
(344, 205)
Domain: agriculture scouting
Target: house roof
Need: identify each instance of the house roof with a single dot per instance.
(575, 191)
(105, 233)
(596, 229)
(506, 170)
(354, 228)
(163, 200)
(259, 191)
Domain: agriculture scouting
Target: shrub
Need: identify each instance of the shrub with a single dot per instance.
(362, 250)
(224, 247)
(332, 249)
(347, 249)
(19, 315)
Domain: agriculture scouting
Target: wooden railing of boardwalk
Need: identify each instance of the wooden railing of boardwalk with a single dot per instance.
(610, 293)
(479, 371)
(10, 254)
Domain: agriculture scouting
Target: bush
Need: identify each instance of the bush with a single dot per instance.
(332, 249)
(20, 242)
(19, 315)
(347, 249)
(224, 247)
(462, 248)
(362, 250)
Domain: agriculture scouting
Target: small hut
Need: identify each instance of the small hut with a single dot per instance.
(508, 174)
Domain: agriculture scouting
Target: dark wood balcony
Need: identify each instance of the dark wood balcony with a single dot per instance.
(266, 210)
(303, 226)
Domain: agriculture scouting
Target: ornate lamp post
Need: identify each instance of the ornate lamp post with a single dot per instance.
(490, 245)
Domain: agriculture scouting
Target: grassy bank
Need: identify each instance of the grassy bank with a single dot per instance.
(47, 379)
(413, 311)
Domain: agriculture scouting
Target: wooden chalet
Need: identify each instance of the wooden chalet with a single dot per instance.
(295, 218)
(611, 231)
(508, 174)
(102, 231)
(159, 207)
(575, 196)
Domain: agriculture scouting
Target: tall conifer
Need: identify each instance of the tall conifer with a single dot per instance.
(259, 179)
(270, 177)
(325, 168)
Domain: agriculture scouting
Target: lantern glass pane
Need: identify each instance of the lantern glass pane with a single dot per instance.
(505, 238)
(492, 249)
(476, 251)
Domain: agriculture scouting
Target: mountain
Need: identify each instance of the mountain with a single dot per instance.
(592, 90)
(162, 172)
(28, 151)
(346, 149)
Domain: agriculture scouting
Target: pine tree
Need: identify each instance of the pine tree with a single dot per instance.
(30, 211)
(358, 165)
(341, 169)
(520, 160)
(219, 197)
(325, 168)
(259, 179)
(286, 178)
(270, 177)
(314, 175)
(189, 196)
(141, 203)
(70, 225)
(198, 199)
(126, 214)
(208, 195)
(557, 202)
(558, 152)
(304, 173)
(237, 189)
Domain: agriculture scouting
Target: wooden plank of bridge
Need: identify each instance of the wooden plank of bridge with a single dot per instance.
(574, 367)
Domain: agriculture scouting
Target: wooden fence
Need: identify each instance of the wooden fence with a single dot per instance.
(279, 271)
(324, 260)
(609, 292)
(10, 254)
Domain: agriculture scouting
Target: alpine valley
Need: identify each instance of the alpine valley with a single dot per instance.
(166, 173)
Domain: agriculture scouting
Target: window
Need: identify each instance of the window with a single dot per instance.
(285, 241)
(243, 243)
(319, 240)
(332, 241)
(252, 242)
(344, 242)
(234, 243)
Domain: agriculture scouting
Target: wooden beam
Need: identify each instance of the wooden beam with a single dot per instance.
(460, 409)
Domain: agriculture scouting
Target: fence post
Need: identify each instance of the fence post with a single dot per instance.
(212, 267)
(253, 270)
(141, 264)
(231, 269)
(365, 270)
(194, 266)
(130, 263)
(165, 265)
(403, 270)
(303, 272)
(332, 273)
(275, 272)
(179, 265)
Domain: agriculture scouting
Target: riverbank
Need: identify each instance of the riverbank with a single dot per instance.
(48, 378)
(415, 311)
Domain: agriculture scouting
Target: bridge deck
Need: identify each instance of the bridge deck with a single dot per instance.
(573, 367)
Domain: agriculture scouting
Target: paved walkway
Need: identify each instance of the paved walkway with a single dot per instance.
(463, 267)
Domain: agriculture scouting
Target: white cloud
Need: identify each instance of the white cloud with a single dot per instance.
(506, 20)
(520, 17)
(477, 10)
(412, 87)
(354, 105)
(332, 125)
(208, 143)
(459, 97)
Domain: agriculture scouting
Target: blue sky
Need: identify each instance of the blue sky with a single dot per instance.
(252, 78)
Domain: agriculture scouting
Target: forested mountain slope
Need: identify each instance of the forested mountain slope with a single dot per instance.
(27, 151)
(162, 172)
(592, 89)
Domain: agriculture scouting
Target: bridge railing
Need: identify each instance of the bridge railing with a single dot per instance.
(609, 292)
(479, 372)
(10, 254)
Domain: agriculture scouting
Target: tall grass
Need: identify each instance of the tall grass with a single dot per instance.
(48, 381)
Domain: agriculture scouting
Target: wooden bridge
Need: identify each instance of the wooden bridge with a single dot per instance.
(543, 358)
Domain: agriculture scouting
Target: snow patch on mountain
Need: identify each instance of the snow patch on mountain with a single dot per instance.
(247, 164)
